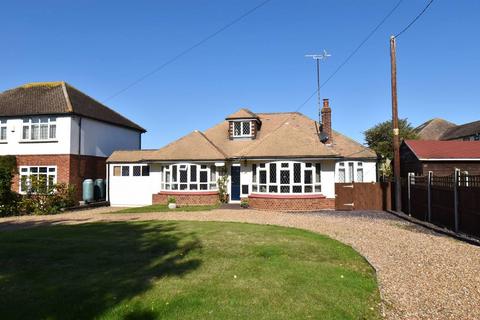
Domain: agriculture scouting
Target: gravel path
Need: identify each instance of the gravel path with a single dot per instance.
(422, 274)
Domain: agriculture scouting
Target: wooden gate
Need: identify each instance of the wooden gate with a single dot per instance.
(362, 196)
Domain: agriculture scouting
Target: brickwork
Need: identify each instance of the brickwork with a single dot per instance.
(187, 198)
(291, 203)
(71, 169)
(327, 121)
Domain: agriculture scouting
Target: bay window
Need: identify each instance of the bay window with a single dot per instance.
(286, 177)
(39, 128)
(188, 177)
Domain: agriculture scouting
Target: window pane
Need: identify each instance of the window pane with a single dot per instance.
(43, 169)
(212, 173)
(285, 189)
(246, 128)
(183, 175)
(297, 189)
(360, 175)
(203, 176)
(308, 176)
(244, 188)
(350, 172)
(263, 176)
(3, 133)
(146, 171)
(297, 176)
(183, 186)
(237, 127)
(193, 186)
(125, 171)
(284, 177)
(35, 132)
(273, 172)
(284, 165)
(116, 171)
(341, 175)
(193, 173)
(167, 176)
(53, 131)
(136, 171)
(273, 189)
(308, 165)
(308, 189)
(174, 173)
(254, 171)
(23, 183)
(318, 171)
(43, 131)
(34, 169)
(254, 188)
(203, 186)
(318, 188)
(26, 133)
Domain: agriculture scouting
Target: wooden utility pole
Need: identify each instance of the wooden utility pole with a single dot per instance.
(396, 131)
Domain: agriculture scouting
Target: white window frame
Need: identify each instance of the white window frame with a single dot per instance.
(243, 124)
(3, 130)
(351, 170)
(26, 171)
(315, 187)
(170, 180)
(143, 171)
(38, 122)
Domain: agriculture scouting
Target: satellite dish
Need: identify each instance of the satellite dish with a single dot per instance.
(323, 137)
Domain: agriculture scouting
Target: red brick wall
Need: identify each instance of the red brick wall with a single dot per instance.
(187, 198)
(71, 169)
(291, 202)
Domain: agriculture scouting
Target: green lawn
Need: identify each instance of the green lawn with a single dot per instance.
(181, 270)
(163, 207)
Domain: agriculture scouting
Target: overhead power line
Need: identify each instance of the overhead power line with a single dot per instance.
(414, 20)
(353, 53)
(184, 52)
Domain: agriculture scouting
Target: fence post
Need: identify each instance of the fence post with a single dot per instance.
(429, 192)
(455, 198)
(409, 188)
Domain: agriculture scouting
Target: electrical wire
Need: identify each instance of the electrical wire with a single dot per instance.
(414, 20)
(184, 52)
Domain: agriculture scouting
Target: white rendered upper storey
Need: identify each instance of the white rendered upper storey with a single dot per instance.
(76, 124)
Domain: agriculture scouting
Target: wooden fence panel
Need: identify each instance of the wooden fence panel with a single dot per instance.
(469, 210)
(442, 207)
(419, 201)
(363, 196)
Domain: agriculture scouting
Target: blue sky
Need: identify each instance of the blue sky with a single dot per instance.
(102, 46)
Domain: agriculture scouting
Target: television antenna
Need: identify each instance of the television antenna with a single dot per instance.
(317, 57)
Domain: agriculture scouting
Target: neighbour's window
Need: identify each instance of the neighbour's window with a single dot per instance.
(145, 171)
(37, 179)
(287, 177)
(242, 129)
(117, 171)
(3, 129)
(39, 128)
(125, 171)
(359, 172)
(188, 177)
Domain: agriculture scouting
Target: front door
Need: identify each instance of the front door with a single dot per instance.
(235, 183)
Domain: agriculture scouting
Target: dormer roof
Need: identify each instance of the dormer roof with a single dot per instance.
(242, 114)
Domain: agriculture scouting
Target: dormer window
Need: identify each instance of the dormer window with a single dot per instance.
(242, 129)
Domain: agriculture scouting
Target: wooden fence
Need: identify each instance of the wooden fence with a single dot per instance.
(363, 196)
(452, 201)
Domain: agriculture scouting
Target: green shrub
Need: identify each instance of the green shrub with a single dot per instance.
(49, 200)
(244, 203)
(222, 188)
(171, 199)
(8, 199)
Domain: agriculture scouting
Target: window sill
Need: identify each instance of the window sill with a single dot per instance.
(288, 196)
(182, 192)
(3, 142)
(38, 141)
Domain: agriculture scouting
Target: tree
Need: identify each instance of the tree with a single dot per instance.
(380, 137)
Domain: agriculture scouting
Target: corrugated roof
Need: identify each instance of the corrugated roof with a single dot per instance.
(437, 150)
(281, 135)
(433, 129)
(468, 129)
(45, 98)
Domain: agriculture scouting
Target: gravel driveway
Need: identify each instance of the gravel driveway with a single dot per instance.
(422, 274)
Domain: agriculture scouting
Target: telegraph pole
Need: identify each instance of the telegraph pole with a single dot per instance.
(317, 58)
(396, 131)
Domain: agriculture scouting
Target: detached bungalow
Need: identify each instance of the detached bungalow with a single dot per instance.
(282, 161)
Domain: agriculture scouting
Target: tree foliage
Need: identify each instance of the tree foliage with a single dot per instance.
(8, 198)
(380, 137)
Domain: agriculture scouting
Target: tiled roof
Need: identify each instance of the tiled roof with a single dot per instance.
(57, 98)
(438, 150)
(433, 129)
(463, 130)
(282, 135)
(242, 114)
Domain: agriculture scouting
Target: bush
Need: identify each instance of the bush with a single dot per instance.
(244, 203)
(171, 199)
(47, 201)
(8, 199)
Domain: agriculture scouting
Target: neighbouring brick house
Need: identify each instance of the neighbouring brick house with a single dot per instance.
(440, 157)
(59, 133)
(281, 161)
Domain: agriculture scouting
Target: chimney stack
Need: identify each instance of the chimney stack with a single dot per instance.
(326, 127)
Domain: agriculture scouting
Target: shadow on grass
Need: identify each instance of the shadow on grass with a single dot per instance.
(82, 271)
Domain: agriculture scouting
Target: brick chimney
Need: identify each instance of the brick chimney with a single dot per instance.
(327, 121)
